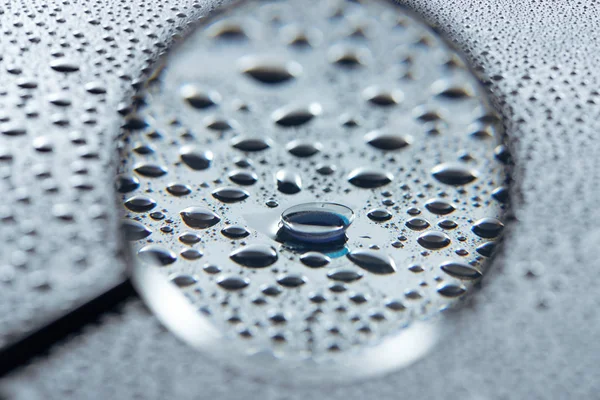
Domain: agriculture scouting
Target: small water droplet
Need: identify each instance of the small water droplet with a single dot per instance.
(417, 224)
(433, 240)
(451, 290)
(156, 255)
(288, 182)
(230, 194)
(199, 217)
(198, 98)
(183, 280)
(384, 141)
(150, 170)
(369, 178)
(140, 204)
(453, 174)
(177, 189)
(344, 275)
(296, 116)
(460, 270)
(134, 230)
(255, 256)
(235, 232)
(233, 282)
(271, 72)
(373, 261)
(250, 144)
(488, 228)
(196, 159)
(379, 215)
(439, 207)
(303, 149)
(314, 259)
(244, 178)
(291, 281)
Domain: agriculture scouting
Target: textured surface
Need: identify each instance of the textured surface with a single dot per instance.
(529, 333)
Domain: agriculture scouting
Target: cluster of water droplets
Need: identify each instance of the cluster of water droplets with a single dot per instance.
(314, 187)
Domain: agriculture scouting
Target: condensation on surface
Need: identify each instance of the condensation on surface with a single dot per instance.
(247, 127)
(529, 334)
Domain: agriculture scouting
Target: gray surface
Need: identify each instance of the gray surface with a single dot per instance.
(530, 332)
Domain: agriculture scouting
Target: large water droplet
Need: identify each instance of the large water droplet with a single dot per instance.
(369, 178)
(373, 261)
(199, 217)
(244, 178)
(134, 230)
(255, 256)
(317, 222)
(150, 170)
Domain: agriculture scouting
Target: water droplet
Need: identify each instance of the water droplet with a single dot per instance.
(433, 240)
(191, 254)
(460, 270)
(373, 261)
(379, 215)
(250, 144)
(235, 232)
(369, 178)
(199, 99)
(486, 249)
(189, 238)
(303, 149)
(447, 224)
(183, 280)
(196, 159)
(296, 116)
(150, 170)
(177, 189)
(127, 183)
(417, 224)
(230, 194)
(270, 71)
(227, 30)
(233, 282)
(291, 281)
(501, 194)
(344, 275)
(314, 259)
(348, 57)
(385, 141)
(63, 65)
(199, 217)
(451, 290)
(255, 256)
(439, 207)
(244, 178)
(156, 255)
(140, 204)
(453, 174)
(134, 230)
(288, 182)
(317, 222)
(326, 169)
(488, 228)
(381, 97)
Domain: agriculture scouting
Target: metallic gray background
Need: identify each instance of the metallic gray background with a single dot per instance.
(531, 332)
